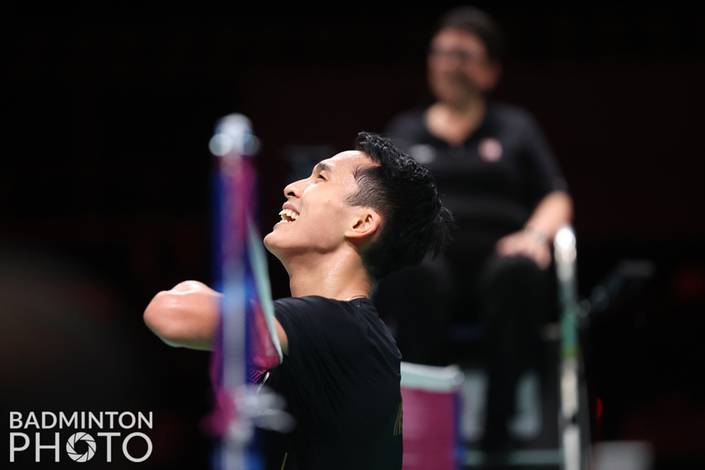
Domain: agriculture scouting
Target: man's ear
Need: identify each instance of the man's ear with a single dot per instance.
(366, 224)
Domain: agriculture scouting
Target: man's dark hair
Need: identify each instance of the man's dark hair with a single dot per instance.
(478, 23)
(415, 221)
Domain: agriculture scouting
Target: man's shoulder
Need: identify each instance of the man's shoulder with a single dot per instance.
(409, 122)
(414, 115)
(510, 114)
(353, 323)
(319, 309)
(308, 303)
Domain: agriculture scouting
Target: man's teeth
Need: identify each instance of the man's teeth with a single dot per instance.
(288, 215)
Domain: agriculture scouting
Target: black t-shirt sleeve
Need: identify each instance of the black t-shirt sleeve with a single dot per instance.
(544, 174)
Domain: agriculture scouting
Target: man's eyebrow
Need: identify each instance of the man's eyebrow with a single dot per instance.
(323, 167)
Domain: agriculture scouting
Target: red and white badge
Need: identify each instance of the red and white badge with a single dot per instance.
(490, 149)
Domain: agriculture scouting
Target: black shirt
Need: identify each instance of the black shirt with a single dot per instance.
(493, 181)
(340, 379)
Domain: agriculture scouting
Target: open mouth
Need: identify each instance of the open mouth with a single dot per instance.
(288, 215)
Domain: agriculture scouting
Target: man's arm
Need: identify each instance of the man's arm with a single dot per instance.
(187, 316)
(554, 210)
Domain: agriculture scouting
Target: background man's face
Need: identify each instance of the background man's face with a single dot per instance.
(458, 67)
(322, 215)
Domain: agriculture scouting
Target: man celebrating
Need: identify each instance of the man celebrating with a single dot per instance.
(360, 215)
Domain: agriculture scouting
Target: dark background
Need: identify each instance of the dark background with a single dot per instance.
(105, 197)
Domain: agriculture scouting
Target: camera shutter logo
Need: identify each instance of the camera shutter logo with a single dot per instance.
(71, 447)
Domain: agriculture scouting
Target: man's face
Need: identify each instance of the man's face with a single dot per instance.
(458, 67)
(317, 204)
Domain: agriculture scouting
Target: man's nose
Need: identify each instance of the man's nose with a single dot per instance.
(294, 189)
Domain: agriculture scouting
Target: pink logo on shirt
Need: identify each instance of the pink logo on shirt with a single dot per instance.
(490, 149)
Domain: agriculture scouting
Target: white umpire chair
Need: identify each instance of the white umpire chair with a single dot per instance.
(443, 405)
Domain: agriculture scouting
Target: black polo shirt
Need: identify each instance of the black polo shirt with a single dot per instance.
(340, 379)
(493, 181)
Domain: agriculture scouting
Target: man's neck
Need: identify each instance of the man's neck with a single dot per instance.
(470, 110)
(455, 122)
(340, 276)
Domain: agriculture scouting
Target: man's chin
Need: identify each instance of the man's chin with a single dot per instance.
(454, 92)
(268, 242)
(273, 245)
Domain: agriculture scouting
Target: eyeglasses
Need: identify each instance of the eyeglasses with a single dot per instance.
(454, 54)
